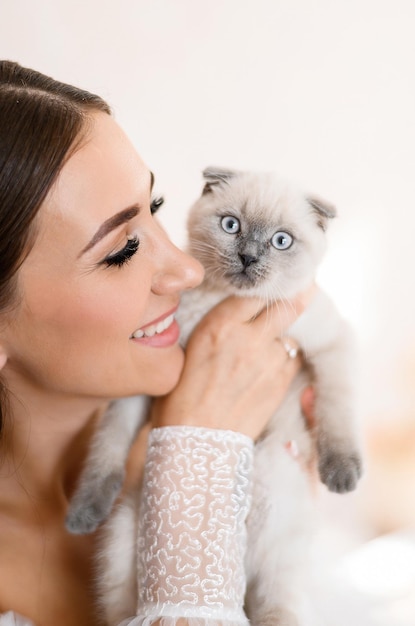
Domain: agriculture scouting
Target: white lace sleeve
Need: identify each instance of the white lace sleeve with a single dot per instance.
(192, 535)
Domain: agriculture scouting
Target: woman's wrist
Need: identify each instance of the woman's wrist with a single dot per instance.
(215, 433)
(167, 412)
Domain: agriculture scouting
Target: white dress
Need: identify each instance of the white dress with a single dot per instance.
(12, 619)
(192, 532)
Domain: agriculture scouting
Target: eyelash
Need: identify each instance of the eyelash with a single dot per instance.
(156, 203)
(123, 256)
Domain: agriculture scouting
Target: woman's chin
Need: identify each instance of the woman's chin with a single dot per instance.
(166, 378)
(166, 386)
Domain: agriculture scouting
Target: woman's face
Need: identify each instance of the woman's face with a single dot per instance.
(102, 282)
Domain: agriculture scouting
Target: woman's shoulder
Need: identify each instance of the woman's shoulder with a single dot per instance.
(13, 619)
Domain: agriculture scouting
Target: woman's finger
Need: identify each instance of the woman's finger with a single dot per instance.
(293, 357)
(274, 318)
(291, 347)
(278, 317)
(307, 405)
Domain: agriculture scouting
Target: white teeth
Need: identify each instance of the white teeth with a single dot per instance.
(150, 331)
(160, 327)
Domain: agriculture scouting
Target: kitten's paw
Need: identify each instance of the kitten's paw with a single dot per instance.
(340, 472)
(92, 504)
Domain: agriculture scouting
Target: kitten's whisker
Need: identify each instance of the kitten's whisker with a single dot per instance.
(268, 301)
(284, 301)
(206, 247)
(207, 254)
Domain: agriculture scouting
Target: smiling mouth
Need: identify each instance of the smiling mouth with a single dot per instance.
(154, 329)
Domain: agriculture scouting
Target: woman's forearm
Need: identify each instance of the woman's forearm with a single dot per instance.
(192, 534)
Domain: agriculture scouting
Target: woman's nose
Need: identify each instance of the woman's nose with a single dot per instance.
(179, 271)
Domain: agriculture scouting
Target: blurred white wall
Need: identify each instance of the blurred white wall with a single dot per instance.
(321, 90)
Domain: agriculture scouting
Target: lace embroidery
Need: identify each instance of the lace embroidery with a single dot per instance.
(192, 533)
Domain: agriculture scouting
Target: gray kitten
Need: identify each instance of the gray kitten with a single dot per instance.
(256, 235)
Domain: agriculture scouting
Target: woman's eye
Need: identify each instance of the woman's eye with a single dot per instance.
(156, 203)
(230, 224)
(282, 240)
(123, 256)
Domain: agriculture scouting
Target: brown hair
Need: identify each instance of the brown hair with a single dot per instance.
(41, 123)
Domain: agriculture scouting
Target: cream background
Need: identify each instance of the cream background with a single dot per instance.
(321, 90)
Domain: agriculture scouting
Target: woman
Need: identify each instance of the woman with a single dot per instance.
(84, 265)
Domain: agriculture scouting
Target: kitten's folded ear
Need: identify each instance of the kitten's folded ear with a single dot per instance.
(216, 176)
(324, 210)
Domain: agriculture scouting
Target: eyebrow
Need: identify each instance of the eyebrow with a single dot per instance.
(110, 224)
(115, 221)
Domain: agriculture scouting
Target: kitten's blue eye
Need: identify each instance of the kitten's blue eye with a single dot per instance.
(282, 240)
(230, 224)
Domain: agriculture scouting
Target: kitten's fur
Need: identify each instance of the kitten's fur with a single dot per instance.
(247, 263)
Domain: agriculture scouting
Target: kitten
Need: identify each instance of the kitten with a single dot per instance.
(256, 235)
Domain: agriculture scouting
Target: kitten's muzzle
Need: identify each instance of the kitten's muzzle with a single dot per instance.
(247, 260)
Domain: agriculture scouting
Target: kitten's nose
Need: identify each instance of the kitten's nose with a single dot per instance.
(247, 259)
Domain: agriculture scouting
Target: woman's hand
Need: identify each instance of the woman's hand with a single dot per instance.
(237, 369)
